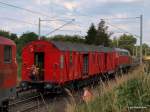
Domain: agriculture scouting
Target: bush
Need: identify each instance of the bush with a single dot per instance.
(133, 92)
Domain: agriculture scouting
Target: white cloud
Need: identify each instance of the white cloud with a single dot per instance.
(71, 5)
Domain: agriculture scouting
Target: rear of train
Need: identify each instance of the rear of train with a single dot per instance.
(8, 71)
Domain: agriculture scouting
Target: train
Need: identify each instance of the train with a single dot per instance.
(59, 65)
(8, 72)
(70, 65)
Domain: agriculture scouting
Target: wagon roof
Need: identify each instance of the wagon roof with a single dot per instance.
(6, 41)
(121, 50)
(68, 46)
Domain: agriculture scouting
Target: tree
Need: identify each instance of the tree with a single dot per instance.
(9, 35)
(127, 42)
(68, 38)
(4, 33)
(28, 37)
(13, 37)
(102, 37)
(114, 42)
(24, 39)
(91, 35)
(146, 49)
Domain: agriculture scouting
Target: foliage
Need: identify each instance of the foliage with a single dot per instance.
(28, 37)
(74, 38)
(24, 39)
(126, 42)
(127, 39)
(91, 35)
(134, 92)
(9, 35)
(102, 37)
(131, 91)
(99, 36)
(146, 49)
(131, 94)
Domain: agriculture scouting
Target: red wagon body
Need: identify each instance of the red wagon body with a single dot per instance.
(8, 69)
(123, 57)
(65, 63)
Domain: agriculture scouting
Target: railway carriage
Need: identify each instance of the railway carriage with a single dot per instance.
(8, 71)
(65, 64)
(124, 59)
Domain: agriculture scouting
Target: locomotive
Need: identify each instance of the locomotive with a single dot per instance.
(71, 65)
(8, 72)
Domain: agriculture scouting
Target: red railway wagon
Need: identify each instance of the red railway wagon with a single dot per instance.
(124, 59)
(64, 63)
(8, 70)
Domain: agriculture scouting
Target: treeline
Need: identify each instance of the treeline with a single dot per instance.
(95, 35)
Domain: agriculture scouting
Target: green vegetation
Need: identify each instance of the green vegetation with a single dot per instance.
(132, 90)
(98, 36)
(125, 41)
(68, 38)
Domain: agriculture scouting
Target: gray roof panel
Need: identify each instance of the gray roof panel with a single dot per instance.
(68, 46)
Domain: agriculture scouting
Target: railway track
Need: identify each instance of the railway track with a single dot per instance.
(28, 104)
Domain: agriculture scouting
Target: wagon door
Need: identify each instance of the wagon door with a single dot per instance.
(85, 64)
(39, 62)
(105, 61)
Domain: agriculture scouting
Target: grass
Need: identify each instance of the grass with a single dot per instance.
(132, 90)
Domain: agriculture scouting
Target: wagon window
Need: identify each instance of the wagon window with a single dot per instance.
(7, 54)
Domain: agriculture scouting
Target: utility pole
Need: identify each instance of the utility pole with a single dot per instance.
(39, 29)
(133, 54)
(136, 51)
(141, 36)
(40, 20)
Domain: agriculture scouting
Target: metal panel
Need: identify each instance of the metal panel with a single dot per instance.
(6, 41)
(123, 50)
(68, 46)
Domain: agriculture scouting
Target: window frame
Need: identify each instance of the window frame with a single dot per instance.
(7, 59)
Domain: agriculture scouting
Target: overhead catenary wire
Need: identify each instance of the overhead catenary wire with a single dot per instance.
(17, 20)
(122, 29)
(25, 9)
(32, 11)
(60, 27)
(34, 24)
(22, 21)
(121, 18)
(79, 31)
(63, 20)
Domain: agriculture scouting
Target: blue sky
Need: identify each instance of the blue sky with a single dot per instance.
(83, 11)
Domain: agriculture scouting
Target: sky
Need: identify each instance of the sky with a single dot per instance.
(84, 12)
